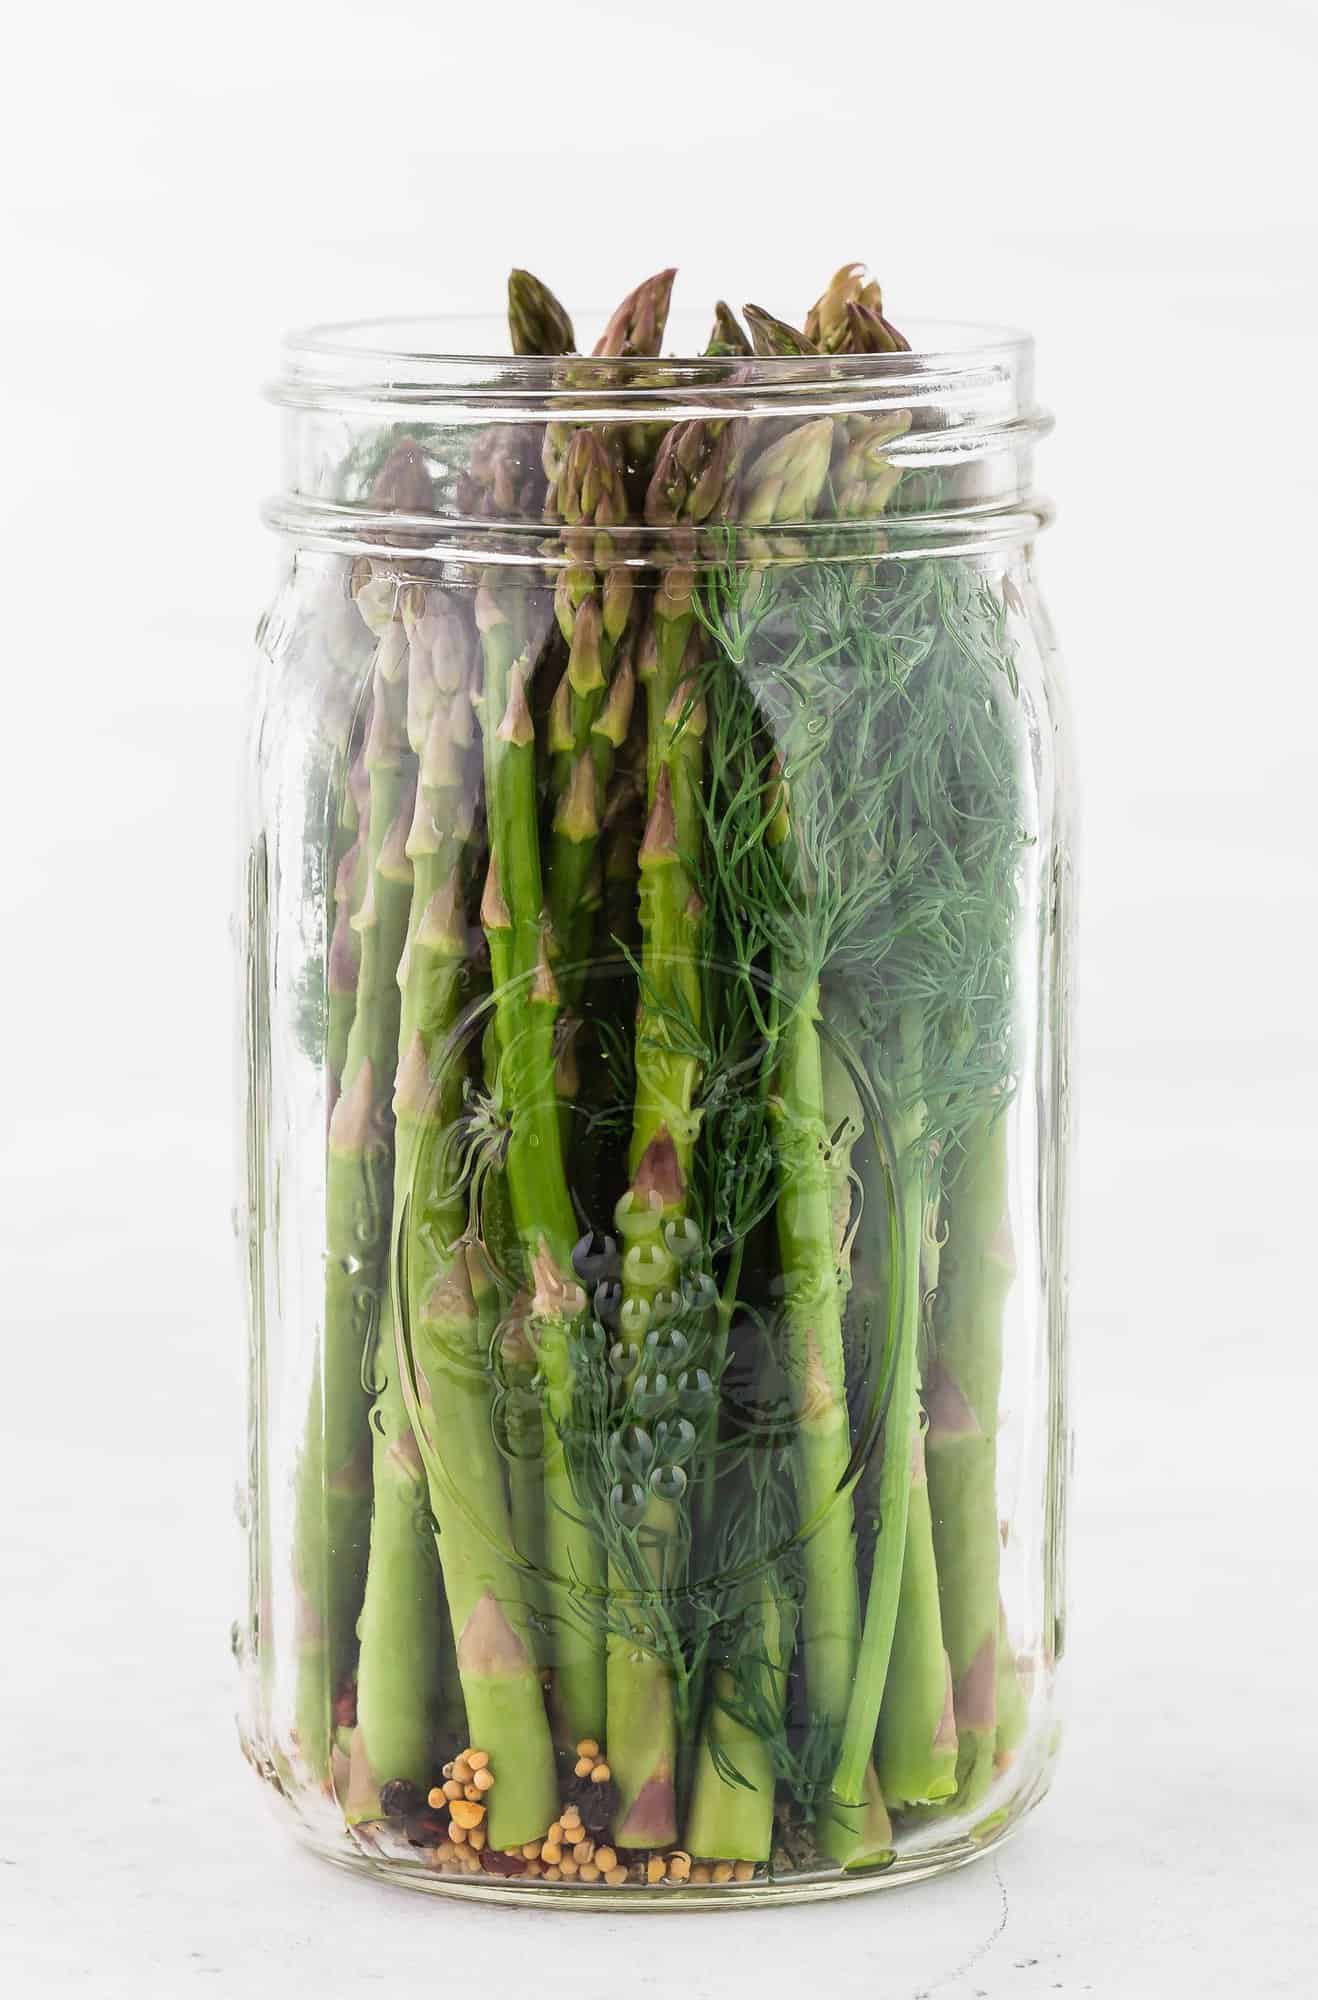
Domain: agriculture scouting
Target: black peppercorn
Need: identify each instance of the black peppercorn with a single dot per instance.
(400, 1797)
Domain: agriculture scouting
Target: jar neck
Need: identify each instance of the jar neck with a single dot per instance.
(392, 441)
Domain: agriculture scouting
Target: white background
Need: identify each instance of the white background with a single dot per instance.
(1133, 181)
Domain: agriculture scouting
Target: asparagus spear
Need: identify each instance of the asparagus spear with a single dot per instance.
(962, 1400)
(727, 336)
(537, 322)
(775, 336)
(691, 483)
(593, 604)
(829, 322)
(526, 1004)
(398, 1689)
(344, 956)
(334, 1492)
(447, 1387)
(916, 1751)
(637, 325)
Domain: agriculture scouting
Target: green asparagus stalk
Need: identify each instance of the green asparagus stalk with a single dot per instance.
(786, 482)
(916, 1751)
(526, 1005)
(537, 322)
(524, 1442)
(730, 1814)
(852, 1830)
(449, 1398)
(398, 1690)
(691, 483)
(637, 326)
(848, 317)
(775, 336)
(727, 337)
(344, 956)
(1013, 1699)
(593, 604)
(334, 1490)
(962, 1400)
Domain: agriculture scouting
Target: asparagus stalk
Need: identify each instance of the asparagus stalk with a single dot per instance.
(730, 1814)
(786, 482)
(537, 322)
(1013, 1699)
(916, 1752)
(637, 325)
(848, 317)
(853, 1830)
(398, 1690)
(334, 1491)
(593, 604)
(526, 1004)
(962, 1400)
(775, 336)
(524, 1442)
(344, 956)
(447, 1387)
(691, 482)
(727, 337)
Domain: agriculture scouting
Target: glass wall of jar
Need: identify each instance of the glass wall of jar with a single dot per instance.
(654, 942)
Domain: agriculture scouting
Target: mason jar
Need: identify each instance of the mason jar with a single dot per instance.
(654, 946)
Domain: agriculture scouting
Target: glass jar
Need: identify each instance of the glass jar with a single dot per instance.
(654, 945)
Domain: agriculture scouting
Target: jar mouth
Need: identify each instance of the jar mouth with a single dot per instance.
(405, 361)
(940, 438)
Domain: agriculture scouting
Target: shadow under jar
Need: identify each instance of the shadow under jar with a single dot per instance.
(654, 957)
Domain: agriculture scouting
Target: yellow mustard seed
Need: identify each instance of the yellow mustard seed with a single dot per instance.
(600, 1775)
(567, 1867)
(655, 1868)
(606, 1858)
(478, 1759)
(722, 1871)
(743, 1871)
(615, 1877)
(531, 1851)
(583, 1767)
(700, 1873)
(588, 1747)
(588, 1872)
(483, 1780)
(457, 1834)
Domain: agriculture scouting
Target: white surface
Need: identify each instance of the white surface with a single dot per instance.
(1132, 183)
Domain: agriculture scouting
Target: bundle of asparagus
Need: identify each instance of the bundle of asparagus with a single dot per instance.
(669, 1046)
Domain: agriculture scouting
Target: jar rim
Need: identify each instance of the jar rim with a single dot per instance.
(408, 359)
